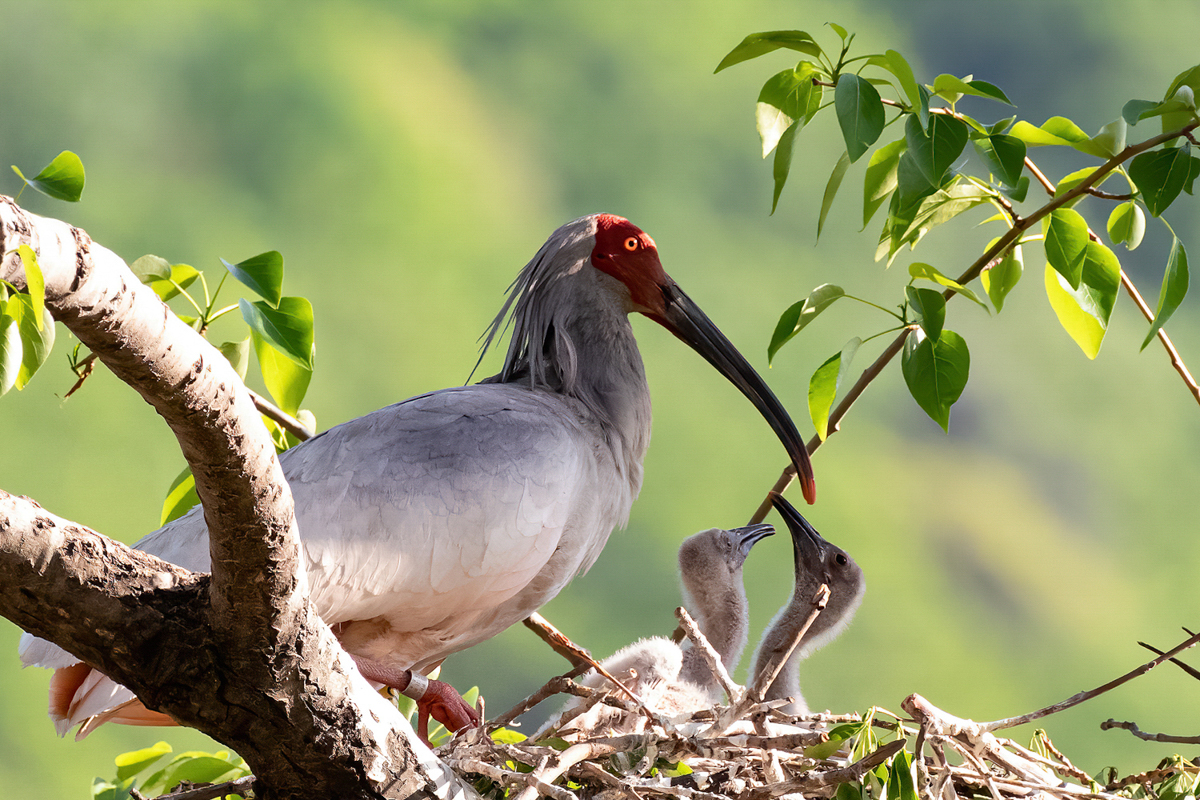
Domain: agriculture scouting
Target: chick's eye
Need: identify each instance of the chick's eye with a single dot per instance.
(631, 243)
(841, 560)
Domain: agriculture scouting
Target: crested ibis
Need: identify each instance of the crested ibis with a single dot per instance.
(666, 677)
(816, 562)
(434, 524)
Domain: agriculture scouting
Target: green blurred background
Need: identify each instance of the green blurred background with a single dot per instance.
(409, 158)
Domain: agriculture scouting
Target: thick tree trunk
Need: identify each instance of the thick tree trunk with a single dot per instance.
(239, 654)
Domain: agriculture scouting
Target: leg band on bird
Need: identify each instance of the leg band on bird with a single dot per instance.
(417, 685)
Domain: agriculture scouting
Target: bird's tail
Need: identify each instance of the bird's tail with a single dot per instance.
(80, 695)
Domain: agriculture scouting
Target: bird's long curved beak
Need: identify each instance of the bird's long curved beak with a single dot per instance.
(746, 537)
(685, 319)
(807, 542)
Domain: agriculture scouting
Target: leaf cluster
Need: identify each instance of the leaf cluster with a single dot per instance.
(152, 771)
(942, 162)
(279, 327)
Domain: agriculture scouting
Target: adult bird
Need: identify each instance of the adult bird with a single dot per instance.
(816, 562)
(434, 524)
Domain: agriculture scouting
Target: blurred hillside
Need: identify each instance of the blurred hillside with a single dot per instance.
(408, 159)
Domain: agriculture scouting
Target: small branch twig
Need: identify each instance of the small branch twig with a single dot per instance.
(854, 772)
(285, 420)
(711, 657)
(1189, 669)
(560, 684)
(578, 657)
(1081, 697)
(1132, 727)
(770, 671)
(240, 786)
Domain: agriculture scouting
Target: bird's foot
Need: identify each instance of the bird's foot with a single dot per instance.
(436, 699)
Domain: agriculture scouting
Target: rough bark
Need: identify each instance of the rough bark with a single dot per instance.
(239, 654)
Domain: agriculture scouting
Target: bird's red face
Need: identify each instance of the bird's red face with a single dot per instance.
(627, 253)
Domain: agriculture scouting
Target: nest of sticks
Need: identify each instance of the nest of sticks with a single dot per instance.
(749, 749)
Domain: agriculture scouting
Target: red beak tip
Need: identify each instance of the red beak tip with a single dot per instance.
(810, 491)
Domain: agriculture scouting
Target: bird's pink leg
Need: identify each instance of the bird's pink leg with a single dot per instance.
(434, 698)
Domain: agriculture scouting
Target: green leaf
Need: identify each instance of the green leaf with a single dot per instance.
(824, 385)
(262, 273)
(238, 355)
(757, 44)
(909, 227)
(1062, 131)
(1066, 243)
(61, 179)
(1111, 138)
(289, 328)
(150, 268)
(831, 189)
(1084, 310)
(936, 372)
(935, 152)
(929, 309)
(1054, 131)
(1127, 224)
(37, 335)
(182, 276)
(860, 113)
(132, 763)
(10, 352)
(1005, 156)
(35, 282)
(837, 737)
(286, 380)
(786, 98)
(783, 162)
(1135, 111)
(200, 768)
(800, 314)
(1181, 99)
(181, 497)
(1000, 279)
(1160, 176)
(880, 180)
(948, 85)
(899, 67)
(929, 273)
(507, 736)
(901, 783)
(1174, 288)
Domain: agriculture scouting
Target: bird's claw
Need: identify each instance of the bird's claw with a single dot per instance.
(446, 706)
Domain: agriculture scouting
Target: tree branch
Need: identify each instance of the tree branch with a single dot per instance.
(241, 655)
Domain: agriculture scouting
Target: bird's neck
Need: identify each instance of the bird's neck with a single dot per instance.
(577, 341)
(782, 632)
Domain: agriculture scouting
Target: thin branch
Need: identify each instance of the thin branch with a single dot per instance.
(835, 419)
(1189, 669)
(1176, 360)
(1168, 345)
(1132, 727)
(578, 656)
(239, 786)
(833, 777)
(1082, 697)
(559, 684)
(285, 420)
(711, 657)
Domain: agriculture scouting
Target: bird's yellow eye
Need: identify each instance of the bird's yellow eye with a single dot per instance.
(631, 244)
